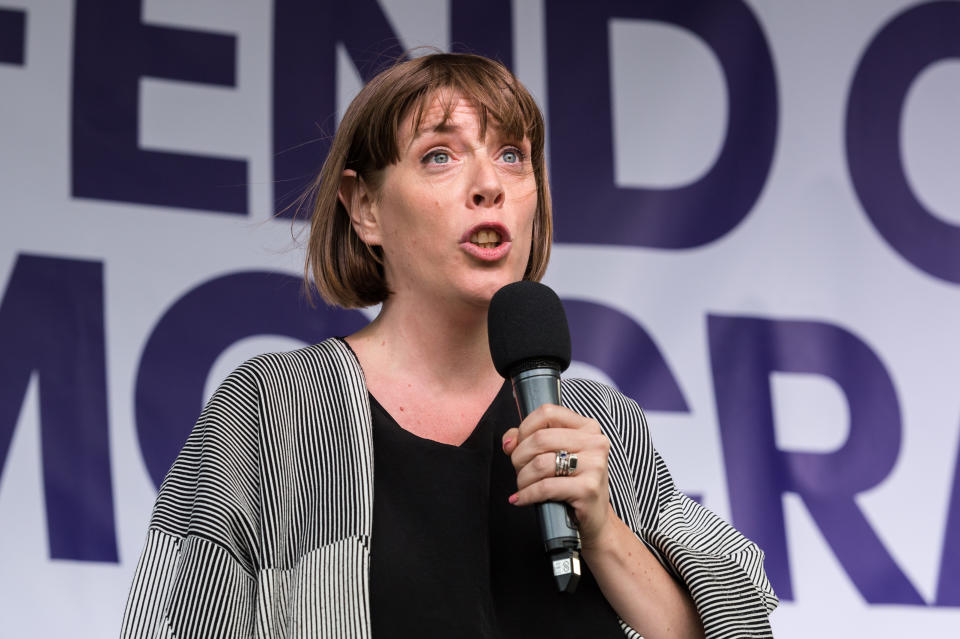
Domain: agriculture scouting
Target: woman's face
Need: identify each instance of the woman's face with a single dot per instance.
(454, 215)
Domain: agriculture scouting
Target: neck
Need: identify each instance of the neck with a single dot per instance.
(446, 348)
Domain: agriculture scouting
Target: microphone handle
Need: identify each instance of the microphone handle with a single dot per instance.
(558, 528)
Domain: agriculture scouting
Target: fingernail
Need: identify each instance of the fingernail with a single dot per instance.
(513, 498)
(507, 441)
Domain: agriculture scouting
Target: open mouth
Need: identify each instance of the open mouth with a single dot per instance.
(485, 238)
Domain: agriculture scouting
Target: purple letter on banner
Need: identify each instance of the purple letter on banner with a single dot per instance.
(485, 28)
(12, 41)
(51, 325)
(192, 334)
(744, 351)
(306, 33)
(589, 207)
(907, 45)
(113, 50)
(621, 348)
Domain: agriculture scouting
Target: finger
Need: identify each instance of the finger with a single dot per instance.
(553, 416)
(509, 440)
(551, 440)
(539, 467)
(545, 465)
(548, 441)
(576, 491)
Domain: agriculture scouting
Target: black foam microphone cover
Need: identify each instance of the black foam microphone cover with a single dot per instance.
(527, 327)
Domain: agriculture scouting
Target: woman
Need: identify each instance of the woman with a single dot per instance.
(380, 483)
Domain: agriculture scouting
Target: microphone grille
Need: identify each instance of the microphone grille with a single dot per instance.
(526, 322)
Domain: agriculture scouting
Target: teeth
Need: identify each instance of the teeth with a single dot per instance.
(486, 238)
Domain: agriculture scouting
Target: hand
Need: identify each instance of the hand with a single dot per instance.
(533, 447)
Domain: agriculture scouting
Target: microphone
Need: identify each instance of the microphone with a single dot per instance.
(530, 345)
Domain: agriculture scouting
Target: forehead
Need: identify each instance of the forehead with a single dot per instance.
(444, 111)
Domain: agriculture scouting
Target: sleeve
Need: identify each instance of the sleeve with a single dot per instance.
(721, 569)
(197, 574)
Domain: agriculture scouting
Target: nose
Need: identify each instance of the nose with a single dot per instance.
(486, 190)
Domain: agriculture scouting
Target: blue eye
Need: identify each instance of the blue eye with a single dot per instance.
(512, 156)
(437, 157)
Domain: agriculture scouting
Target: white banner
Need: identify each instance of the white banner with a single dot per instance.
(758, 238)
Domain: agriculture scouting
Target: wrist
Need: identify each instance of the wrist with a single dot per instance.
(604, 539)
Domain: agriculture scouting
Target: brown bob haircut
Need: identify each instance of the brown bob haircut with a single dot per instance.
(344, 270)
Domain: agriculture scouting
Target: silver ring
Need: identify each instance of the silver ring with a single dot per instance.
(561, 464)
(564, 463)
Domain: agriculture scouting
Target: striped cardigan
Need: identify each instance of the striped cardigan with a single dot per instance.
(262, 526)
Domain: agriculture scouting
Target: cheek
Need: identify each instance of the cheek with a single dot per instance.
(525, 194)
(413, 225)
(530, 212)
(531, 215)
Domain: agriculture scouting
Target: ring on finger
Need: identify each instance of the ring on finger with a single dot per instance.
(564, 463)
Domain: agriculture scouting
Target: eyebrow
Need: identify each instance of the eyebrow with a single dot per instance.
(442, 127)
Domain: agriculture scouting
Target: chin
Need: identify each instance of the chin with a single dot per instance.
(484, 292)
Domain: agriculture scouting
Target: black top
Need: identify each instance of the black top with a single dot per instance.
(450, 556)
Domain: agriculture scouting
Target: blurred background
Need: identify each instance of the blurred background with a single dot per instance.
(758, 238)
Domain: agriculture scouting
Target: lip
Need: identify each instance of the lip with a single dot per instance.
(487, 254)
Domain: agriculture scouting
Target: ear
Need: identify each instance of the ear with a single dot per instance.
(359, 202)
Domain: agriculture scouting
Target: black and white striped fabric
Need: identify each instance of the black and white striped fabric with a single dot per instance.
(262, 526)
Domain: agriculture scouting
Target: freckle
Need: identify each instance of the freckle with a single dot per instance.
(401, 409)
